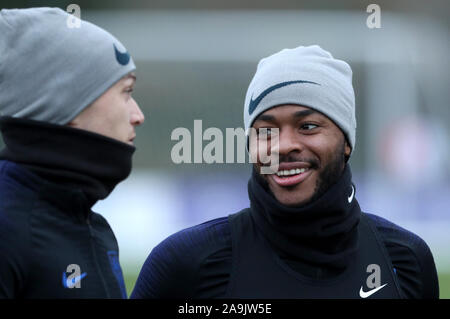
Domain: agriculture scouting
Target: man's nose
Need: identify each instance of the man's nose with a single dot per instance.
(289, 141)
(137, 117)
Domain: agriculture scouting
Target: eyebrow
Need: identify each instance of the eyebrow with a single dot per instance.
(304, 113)
(271, 118)
(265, 118)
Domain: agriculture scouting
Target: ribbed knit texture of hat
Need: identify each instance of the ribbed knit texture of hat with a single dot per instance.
(50, 71)
(306, 76)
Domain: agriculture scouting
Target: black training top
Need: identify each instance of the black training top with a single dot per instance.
(52, 245)
(197, 262)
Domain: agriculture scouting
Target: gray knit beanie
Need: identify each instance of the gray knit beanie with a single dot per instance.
(307, 76)
(51, 72)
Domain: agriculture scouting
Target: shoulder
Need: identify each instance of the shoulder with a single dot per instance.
(100, 222)
(174, 267)
(18, 197)
(200, 236)
(395, 235)
(410, 256)
(16, 201)
(16, 180)
(18, 191)
(15, 204)
(15, 255)
(103, 231)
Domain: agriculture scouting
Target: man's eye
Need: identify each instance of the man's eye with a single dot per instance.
(308, 126)
(129, 90)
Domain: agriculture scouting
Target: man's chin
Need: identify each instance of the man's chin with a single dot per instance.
(292, 199)
(293, 196)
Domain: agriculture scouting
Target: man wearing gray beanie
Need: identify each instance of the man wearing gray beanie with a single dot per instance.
(304, 234)
(68, 123)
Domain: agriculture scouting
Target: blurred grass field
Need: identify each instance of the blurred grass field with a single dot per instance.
(444, 284)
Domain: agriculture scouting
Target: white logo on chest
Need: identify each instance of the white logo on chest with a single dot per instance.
(373, 281)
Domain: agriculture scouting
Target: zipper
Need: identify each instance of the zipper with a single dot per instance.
(91, 239)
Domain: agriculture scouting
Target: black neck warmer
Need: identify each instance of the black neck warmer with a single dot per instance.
(321, 233)
(66, 156)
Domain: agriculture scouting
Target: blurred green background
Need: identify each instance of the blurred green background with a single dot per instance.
(195, 59)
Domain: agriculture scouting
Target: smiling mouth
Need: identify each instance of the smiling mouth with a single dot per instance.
(290, 172)
(291, 177)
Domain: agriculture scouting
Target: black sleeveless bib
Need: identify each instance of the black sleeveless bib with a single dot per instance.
(257, 271)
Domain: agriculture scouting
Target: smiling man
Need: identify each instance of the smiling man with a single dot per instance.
(68, 122)
(304, 234)
(309, 165)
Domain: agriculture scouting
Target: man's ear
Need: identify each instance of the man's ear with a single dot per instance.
(347, 151)
(76, 121)
(72, 123)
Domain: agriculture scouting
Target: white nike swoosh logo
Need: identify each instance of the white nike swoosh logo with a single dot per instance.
(350, 198)
(365, 294)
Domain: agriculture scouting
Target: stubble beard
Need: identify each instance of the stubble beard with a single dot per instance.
(328, 176)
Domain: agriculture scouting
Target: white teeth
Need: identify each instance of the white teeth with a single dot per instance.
(295, 171)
